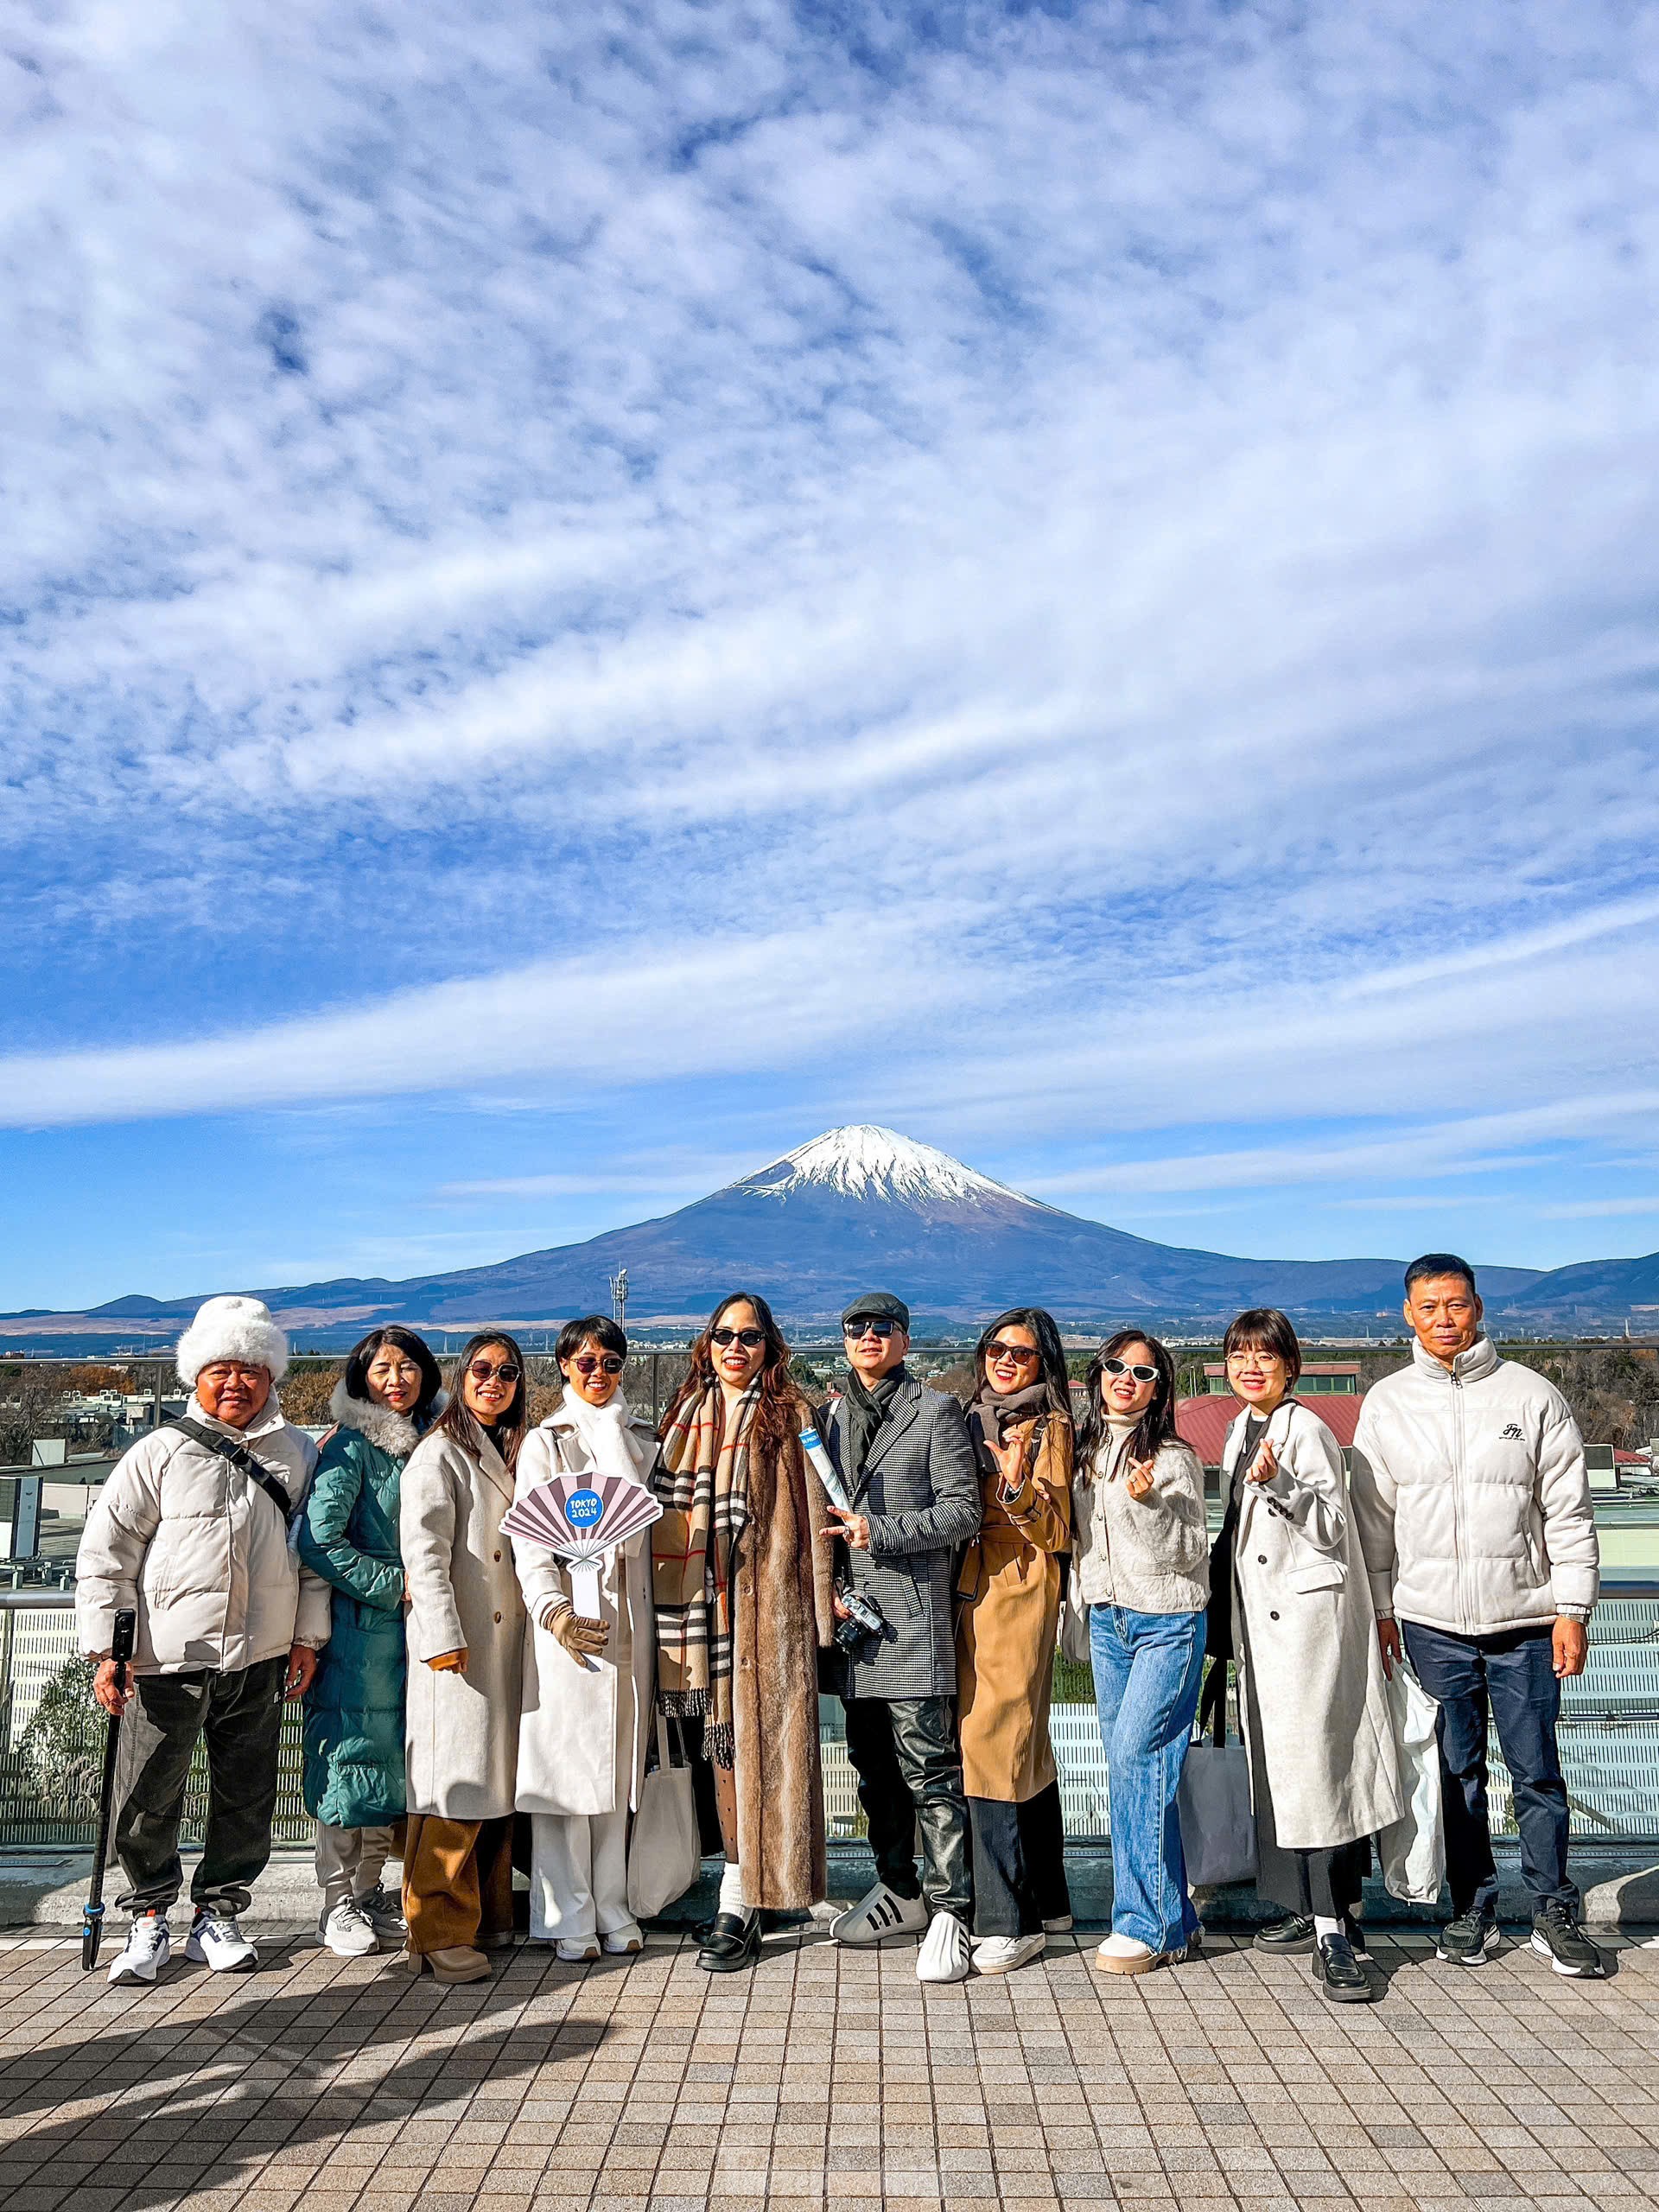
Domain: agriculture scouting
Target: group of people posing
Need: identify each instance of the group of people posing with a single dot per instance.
(458, 1701)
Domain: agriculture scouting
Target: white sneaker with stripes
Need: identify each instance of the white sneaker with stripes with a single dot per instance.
(881, 1917)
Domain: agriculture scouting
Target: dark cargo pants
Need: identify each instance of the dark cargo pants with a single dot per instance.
(240, 1716)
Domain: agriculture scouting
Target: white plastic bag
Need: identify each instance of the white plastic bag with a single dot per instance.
(1413, 1848)
(664, 1854)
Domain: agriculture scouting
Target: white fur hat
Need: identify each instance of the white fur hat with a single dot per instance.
(232, 1328)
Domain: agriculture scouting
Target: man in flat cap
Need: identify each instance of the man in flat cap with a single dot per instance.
(904, 1455)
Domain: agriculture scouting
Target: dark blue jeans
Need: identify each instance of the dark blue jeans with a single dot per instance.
(1514, 1676)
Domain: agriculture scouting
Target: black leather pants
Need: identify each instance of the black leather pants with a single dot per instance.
(908, 1760)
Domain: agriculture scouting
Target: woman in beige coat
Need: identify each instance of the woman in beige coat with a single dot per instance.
(1007, 1621)
(466, 1650)
(1291, 1601)
(588, 1683)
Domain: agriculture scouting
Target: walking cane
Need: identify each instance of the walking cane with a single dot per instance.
(92, 1926)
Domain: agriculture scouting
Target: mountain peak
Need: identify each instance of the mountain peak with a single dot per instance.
(864, 1160)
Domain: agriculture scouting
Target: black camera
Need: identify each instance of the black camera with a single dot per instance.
(864, 1617)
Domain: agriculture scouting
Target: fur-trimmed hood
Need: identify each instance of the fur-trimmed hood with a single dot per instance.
(391, 1432)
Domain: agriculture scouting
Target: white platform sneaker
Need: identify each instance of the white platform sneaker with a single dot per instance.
(1002, 1953)
(150, 1946)
(1128, 1955)
(217, 1941)
(946, 1953)
(880, 1917)
(348, 1932)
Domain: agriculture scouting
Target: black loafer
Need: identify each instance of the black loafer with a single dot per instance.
(1339, 1974)
(1287, 1938)
(733, 1940)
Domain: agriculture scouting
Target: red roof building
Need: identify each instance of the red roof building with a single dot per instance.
(1204, 1422)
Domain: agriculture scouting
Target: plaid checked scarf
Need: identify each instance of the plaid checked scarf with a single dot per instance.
(703, 1480)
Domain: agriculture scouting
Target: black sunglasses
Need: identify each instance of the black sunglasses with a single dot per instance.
(748, 1338)
(1024, 1354)
(1123, 1367)
(481, 1371)
(868, 1325)
(587, 1363)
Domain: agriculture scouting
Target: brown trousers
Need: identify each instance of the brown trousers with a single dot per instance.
(457, 1881)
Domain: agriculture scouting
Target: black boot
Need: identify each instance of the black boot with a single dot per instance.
(1285, 1938)
(1339, 1974)
(733, 1940)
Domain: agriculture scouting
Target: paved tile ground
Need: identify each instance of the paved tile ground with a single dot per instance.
(824, 2078)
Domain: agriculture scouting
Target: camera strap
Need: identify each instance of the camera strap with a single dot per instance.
(239, 1457)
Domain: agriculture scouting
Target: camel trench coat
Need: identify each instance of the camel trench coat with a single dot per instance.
(1008, 1592)
(1315, 1676)
(462, 1747)
(585, 1729)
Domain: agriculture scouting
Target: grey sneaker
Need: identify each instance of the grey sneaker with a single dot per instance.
(1557, 1936)
(1469, 1940)
(383, 1910)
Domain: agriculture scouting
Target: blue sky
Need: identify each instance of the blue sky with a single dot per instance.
(588, 594)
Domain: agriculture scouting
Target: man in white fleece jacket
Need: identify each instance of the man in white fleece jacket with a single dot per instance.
(1473, 1508)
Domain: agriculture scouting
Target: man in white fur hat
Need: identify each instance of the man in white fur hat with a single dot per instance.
(191, 1531)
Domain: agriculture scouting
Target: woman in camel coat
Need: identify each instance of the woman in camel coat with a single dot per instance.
(1009, 1593)
(466, 1651)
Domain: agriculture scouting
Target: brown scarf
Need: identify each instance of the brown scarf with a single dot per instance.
(703, 1480)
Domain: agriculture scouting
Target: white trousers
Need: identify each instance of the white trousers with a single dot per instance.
(350, 1862)
(578, 1875)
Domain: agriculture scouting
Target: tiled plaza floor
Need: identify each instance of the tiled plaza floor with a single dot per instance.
(823, 2078)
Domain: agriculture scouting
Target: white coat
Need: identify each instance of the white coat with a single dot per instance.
(585, 1727)
(462, 1730)
(1315, 1677)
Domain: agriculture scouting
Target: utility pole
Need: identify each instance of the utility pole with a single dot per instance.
(619, 1298)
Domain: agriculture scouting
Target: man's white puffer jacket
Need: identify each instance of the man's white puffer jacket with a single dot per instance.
(201, 1551)
(1470, 1493)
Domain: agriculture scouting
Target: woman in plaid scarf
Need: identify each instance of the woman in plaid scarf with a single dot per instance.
(743, 1589)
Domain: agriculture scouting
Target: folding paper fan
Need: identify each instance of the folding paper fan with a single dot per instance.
(581, 1516)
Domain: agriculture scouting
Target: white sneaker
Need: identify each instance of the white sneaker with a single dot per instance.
(620, 1943)
(1128, 1955)
(150, 1946)
(576, 1950)
(1062, 1924)
(217, 1941)
(348, 1932)
(1002, 1953)
(880, 1917)
(946, 1954)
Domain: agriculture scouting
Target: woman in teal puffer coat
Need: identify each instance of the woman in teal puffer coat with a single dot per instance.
(354, 1787)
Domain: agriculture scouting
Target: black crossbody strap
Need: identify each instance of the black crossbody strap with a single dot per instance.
(238, 1456)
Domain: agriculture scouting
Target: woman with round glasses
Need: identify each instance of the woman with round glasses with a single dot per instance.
(1292, 1606)
(465, 1649)
(744, 1602)
(586, 1714)
(383, 1405)
(1009, 1587)
(1142, 1570)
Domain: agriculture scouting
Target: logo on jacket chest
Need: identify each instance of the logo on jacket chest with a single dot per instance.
(1511, 1434)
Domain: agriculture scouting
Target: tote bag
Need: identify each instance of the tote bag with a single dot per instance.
(665, 1851)
(1213, 1802)
(1413, 1848)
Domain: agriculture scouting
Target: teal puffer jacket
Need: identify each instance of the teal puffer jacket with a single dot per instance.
(354, 1707)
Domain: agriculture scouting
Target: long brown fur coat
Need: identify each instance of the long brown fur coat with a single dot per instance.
(781, 1613)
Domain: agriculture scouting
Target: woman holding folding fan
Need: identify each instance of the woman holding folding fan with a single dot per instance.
(587, 1717)
(744, 1598)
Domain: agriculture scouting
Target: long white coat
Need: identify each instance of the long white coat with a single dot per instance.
(585, 1729)
(462, 1742)
(1315, 1673)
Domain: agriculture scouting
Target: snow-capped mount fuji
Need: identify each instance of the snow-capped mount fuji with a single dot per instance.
(864, 1160)
(859, 1208)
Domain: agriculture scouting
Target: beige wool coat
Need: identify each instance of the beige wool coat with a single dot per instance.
(584, 1728)
(1315, 1672)
(1008, 1592)
(462, 1743)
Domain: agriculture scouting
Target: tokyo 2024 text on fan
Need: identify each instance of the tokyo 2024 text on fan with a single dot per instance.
(579, 1518)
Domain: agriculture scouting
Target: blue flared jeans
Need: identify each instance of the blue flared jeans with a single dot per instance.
(1147, 1667)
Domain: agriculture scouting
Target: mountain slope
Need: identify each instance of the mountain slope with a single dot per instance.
(854, 1208)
